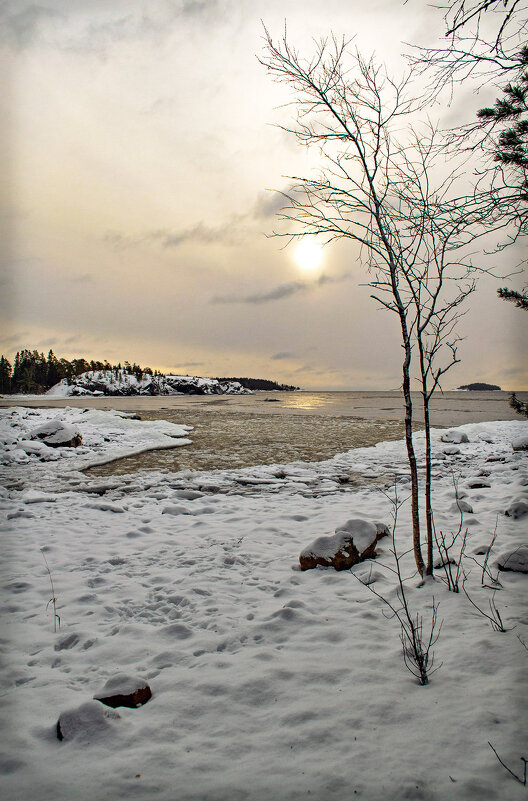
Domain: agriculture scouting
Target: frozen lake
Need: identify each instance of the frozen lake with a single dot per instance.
(232, 431)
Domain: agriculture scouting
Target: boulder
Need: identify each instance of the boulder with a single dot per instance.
(454, 436)
(87, 722)
(57, 434)
(517, 508)
(520, 443)
(124, 690)
(515, 559)
(353, 542)
(477, 483)
(462, 506)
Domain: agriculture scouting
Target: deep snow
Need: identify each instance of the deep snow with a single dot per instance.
(269, 684)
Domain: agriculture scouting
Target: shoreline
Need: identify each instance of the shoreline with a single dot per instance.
(447, 409)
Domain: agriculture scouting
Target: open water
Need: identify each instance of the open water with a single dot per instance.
(232, 431)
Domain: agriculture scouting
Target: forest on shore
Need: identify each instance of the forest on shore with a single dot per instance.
(34, 373)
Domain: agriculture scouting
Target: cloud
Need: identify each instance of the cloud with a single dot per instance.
(281, 291)
(198, 8)
(94, 26)
(46, 343)
(230, 233)
(203, 234)
(23, 27)
(277, 356)
(15, 339)
(187, 364)
(269, 203)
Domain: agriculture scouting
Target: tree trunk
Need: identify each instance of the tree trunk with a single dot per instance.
(415, 510)
(428, 504)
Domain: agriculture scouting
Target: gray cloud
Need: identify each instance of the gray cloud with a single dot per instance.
(46, 343)
(269, 203)
(281, 291)
(187, 364)
(228, 234)
(14, 340)
(285, 355)
(21, 28)
(198, 8)
(22, 22)
(204, 234)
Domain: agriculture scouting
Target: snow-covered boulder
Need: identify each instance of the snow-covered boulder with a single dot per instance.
(477, 482)
(87, 722)
(353, 542)
(454, 436)
(515, 559)
(462, 506)
(517, 508)
(520, 443)
(124, 690)
(57, 434)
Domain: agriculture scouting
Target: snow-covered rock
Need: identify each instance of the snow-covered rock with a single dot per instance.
(515, 559)
(520, 443)
(353, 542)
(451, 451)
(455, 435)
(124, 690)
(462, 506)
(87, 722)
(477, 482)
(119, 383)
(517, 508)
(57, 434)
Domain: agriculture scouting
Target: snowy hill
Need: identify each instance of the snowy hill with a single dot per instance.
(119, 382)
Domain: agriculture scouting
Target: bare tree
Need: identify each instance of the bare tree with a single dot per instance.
(483, 40)
(486, 42)
(417, 644)
(375, 188)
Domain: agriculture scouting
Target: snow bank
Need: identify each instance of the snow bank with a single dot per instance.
(267, 682)
(33, 437)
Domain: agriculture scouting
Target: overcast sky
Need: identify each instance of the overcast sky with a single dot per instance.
(141, 175)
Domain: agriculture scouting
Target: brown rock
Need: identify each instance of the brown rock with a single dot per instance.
(122, 690)
(353, 542)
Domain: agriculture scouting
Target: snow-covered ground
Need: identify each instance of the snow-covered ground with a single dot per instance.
(269, 684)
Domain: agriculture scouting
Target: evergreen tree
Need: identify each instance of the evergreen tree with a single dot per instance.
(510, 149)
(52, 370)
(521, 301)
(519, 298)
(5, 375)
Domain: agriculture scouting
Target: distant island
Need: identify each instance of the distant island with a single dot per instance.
(261, 384)
(480, 386)
(34, 373)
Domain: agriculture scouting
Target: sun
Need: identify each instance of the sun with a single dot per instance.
(308, 255)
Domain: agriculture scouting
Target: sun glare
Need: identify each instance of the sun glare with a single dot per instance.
(308, 255)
